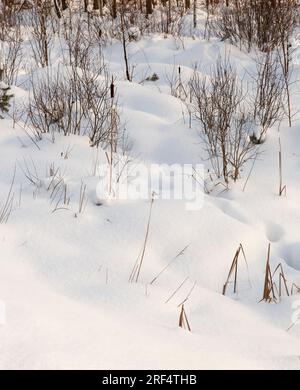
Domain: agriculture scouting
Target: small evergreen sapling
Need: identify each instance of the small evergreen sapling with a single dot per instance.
(4, 98)
(154, 77)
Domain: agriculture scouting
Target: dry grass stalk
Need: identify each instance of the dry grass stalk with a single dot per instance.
(20, 195)
(63, 198)
(183, 321)
(268, 293)
(82, 199)
(57, 189)
(24, 127)
(180, 89)
(295, 289)
(6, 209)
(282, 188)
(177, 289)
(66, 153)
(135, 273)
(233, 272)
(31, 174)
(106, 276)
(188, 295)
(271, 292)
(282, 280)
(250, 173)
(181, 253)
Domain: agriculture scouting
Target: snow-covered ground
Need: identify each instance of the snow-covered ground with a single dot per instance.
(64, 277)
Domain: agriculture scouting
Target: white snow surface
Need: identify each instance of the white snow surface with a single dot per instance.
(64, 280)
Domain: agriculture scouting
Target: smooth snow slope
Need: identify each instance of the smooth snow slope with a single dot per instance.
(64, 280)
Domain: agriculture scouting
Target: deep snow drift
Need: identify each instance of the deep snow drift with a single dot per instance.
(64, 280)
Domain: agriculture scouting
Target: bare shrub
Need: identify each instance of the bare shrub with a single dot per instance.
(225, 124)
(256, 23)
(10, 47)
(285, 52)
(82, 40)
(40, 26)
(268, 94)
(240, 146)
(70, 101)
(75, 39)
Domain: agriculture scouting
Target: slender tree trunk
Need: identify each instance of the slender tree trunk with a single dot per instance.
(286, 59)
(149, 8)
(114, 9)
(60, 6)
(225, 173)
(45, 43)
(195, 14)
(124, 43)
(57, 9)
(96, 5)
(64, 5)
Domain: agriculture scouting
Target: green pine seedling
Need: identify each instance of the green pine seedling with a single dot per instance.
(4, 99)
